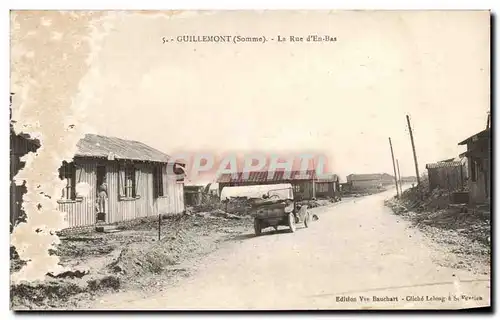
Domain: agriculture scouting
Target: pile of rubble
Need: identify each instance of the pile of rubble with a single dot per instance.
(138, 259)
(58, 290)
(132, 258)
(217, 213)
(465, 230)
(32, 295)
(435, 208)
(415, 200)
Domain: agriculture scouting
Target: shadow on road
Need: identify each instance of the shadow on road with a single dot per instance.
(271, 232)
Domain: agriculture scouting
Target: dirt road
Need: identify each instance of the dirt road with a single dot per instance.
(358, 255)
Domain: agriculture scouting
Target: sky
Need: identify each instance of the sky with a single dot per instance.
(342, 99)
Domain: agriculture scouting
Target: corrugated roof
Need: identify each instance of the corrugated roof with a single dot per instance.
(480, 135)
(443, 164)
(456, 159)
(282, 190)
(262, 176)
(98, 146)
(327, 178)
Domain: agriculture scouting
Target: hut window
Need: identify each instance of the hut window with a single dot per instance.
(129, 181)
(297, 188)
(322, 187)
(158, 181)
(68, 172)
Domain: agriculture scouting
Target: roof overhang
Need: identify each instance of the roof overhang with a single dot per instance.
(480, 135)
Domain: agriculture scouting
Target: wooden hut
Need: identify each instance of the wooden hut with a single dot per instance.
(136, 175)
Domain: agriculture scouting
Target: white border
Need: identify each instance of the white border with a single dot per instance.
(187, 4)
(256, 4)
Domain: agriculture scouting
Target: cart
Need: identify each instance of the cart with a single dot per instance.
(278, 208)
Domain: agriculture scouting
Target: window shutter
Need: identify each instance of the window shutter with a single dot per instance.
(161, 180)
(137, 174)
(121, 181)
(155, 183)
(158, 181)
(78, 170)
(79, 173)
(165, 179)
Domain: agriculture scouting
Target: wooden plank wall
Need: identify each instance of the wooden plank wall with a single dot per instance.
(82, 213)
(449, 178)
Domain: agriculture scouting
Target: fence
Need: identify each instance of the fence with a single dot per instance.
(450, 176)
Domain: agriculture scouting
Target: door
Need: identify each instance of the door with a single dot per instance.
(101, 177)
(487, 179)
(102, 202)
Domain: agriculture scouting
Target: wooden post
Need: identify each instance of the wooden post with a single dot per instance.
(461, 177)
(313, 189)
(413, 148)
(394, 167)
(159, 227)
(399, 177)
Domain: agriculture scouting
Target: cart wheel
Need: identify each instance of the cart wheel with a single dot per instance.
(257, 227)
(307, 220)
(291, 222)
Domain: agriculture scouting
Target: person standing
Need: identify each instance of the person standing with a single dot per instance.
(102, 203)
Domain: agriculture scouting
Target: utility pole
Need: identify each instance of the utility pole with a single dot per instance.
(413, 147)
(399, 177)
(394, 167)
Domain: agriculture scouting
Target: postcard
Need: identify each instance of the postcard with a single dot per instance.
(250, 160)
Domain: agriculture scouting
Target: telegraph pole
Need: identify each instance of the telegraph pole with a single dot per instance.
(399, 177)
(394, 167)
(413, 147)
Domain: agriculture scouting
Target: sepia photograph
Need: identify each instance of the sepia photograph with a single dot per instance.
(250, 160)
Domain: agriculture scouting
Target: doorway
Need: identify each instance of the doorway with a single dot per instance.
(101, 177)
(102, 201)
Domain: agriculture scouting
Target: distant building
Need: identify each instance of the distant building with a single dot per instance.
(387, 179)
(346, 187)
(328, 187)
(369, 181)
(193, 195)
(306, 185)
(479, 154)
